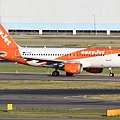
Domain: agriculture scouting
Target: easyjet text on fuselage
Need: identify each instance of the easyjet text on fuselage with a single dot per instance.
(97, 52)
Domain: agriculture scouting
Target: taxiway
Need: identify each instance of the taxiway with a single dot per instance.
(9, 76)
(73, 99)
(57, 99)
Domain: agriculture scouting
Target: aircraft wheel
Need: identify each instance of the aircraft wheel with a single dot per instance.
(69, 74)
(55, 73)
(111, 74)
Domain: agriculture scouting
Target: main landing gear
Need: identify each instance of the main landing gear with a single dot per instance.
(69, 74)
(56, 73)
(111, 72)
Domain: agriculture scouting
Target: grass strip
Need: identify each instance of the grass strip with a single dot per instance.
(77, 114)
(36, 84)
(114, 42)
(12, 68)
(104, 97)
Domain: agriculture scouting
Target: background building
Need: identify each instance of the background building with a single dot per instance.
(61, 16)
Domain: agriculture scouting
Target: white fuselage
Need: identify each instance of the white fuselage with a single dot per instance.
(100, 61)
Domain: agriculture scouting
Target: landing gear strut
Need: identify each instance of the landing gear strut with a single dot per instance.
(111, 72)
(55, 73)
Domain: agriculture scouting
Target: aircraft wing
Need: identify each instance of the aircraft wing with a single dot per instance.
(45, 62)
(53, 63)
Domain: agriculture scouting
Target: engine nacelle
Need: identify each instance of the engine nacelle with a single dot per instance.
(94, 70)
(74, 68)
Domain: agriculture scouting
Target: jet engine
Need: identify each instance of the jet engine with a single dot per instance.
(74, 68)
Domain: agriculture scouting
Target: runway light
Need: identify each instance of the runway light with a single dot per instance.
(9, 107)
(16, 71)
(113, 112)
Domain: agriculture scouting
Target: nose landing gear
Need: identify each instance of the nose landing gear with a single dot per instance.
(111, 72)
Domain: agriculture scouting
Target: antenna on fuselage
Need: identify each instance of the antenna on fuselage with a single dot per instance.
(44, 46)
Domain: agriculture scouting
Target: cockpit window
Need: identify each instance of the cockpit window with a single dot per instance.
(118, 55)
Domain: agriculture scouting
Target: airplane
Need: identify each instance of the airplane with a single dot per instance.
(71, 60)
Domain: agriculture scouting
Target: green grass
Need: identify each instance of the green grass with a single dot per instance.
(37, 40)
(37, 84)
(77, 114)
(78, 43)
(104, 97)
(12, 68)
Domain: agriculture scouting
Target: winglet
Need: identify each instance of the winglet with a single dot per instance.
(5, 40)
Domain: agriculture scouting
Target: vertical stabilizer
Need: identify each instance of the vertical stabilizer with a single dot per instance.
(9, 50)
(5, 40)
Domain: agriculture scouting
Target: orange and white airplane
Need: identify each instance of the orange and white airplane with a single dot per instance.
(70, 60)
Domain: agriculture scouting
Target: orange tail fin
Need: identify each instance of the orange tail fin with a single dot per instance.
(9, 50)
(8, 47)
(5, 40)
